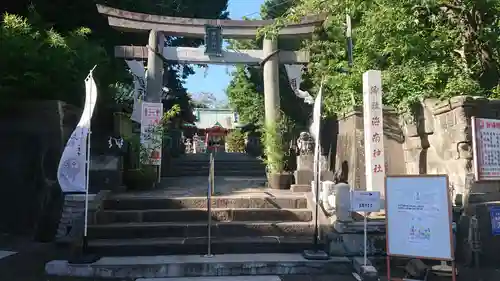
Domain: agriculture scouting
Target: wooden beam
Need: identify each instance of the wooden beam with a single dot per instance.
(193, 27)
(197, 55)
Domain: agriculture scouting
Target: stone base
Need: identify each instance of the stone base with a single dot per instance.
(352, 244)
(196, 265)
(364, 272)
(303, 177)
(315, 255)
(301, 188)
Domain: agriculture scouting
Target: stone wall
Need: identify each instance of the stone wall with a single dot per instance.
(438, 140)
(72, 220)
(350, 145)
(32, 136)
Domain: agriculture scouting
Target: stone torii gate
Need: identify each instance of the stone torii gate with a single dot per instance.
(156, 25)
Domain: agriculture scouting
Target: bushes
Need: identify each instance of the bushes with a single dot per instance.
(273, 148)
(236, 141)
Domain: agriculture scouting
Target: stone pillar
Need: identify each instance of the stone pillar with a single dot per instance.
(155, 67)
(271, 81)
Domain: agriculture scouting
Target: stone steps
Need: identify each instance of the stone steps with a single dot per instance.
(198, 245)
(196, 215)
(132, 224)
(199, 229)
(131, 202)
(219, 163)
(220, 278)
(198, 266)
(221, 169)
(223, 173)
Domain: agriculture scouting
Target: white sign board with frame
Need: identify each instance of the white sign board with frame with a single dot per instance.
(486, 145)
(151, 136)
(418, 217)
(365, 201)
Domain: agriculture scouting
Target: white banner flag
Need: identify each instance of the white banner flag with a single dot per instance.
(294, 73)
(71, 172)
(316, 133)
(139, 73)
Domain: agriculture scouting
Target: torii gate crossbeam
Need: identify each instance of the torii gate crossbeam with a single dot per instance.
(193, 27)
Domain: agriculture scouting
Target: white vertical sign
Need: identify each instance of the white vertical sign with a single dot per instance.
(151, 139)
(374, 131)
(72, 173)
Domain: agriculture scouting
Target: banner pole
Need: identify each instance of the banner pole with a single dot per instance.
(87, 176)
(365, 238)
(209, 209)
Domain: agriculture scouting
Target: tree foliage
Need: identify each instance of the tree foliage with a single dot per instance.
(235, 141)
(425, 48)
(246, 89)
(41, 63)
(50, 55)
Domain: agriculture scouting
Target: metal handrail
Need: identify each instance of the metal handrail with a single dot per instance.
(210, 191)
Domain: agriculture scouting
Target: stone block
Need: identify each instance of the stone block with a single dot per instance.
(305, 162)
(105, 173)
(366, 272)
(303, 177)
(342, 244)
(301, 188)
(131, 268)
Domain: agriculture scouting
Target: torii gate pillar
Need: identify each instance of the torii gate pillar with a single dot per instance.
(196, 28)
(154, 72)
(271, 82)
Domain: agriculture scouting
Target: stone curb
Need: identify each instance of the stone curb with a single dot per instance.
(192, 266)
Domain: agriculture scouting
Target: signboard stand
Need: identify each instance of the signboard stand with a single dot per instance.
(365, 201)
(418, 226)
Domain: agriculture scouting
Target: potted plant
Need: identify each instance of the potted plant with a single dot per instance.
(277, 178)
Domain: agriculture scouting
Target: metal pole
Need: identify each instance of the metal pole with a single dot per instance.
(365, 239)
(209, 209)
(87, 176)
(316, 210)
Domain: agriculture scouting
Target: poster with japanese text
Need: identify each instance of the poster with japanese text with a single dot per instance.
(151, 133)
(418, 212)
(486, 144)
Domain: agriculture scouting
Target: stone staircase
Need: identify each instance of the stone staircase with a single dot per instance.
(226, 164)
(155, 225)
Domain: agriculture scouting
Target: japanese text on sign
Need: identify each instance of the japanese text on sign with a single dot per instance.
(151, 137)
(486, 144)
(365, 201)
(373, 130)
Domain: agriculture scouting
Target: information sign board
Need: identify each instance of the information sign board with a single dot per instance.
(418, 213)
(151, 137)
(495, 220)
(365, 201)
(486, 144)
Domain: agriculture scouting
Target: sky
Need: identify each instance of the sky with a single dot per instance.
(216, 78)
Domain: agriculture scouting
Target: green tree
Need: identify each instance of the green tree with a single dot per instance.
(63, 17)
(246, 89)
(39, 63)
(432, 48)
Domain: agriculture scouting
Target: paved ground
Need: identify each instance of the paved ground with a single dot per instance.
(28, 262)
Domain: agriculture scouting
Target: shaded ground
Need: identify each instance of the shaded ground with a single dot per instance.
(28, 265)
